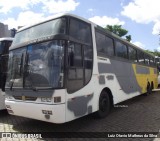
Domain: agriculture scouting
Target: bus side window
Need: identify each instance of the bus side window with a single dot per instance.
(80, 31)
(121, 50)
(71, 55)
(88, 63)
(80, 63)
(75, 67)
(75, 55)
(132, 54)
(147, 59)
(104, 45)
(140, 57)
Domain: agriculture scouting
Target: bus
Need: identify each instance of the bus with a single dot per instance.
(5, 43)
(67, 67)
(157, 58)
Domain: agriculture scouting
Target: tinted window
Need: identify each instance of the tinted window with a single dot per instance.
(75, 62)
(43, 30)
(110, 46)
(121, 50)
(104, 44)
(101, 43)
(75, 55)
(80, 31)
(88, 56)
(147, 59)
(80, 62)
(132, 54)
(152, 61)
(140, 57)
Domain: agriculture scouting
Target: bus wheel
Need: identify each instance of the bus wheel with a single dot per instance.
(104, 105)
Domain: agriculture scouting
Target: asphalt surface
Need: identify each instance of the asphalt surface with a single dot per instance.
(140, 114)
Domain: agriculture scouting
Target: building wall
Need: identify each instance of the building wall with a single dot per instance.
(4, 31)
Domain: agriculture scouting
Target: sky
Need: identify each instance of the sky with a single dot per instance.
(140, 17)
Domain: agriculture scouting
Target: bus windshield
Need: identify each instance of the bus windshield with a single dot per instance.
(39, 65)
(53, 27)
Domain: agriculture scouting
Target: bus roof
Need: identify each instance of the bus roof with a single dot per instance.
(6, 38)
(54, 17)
(87, 21)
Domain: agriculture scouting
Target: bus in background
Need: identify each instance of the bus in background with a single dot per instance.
(67, 67)
(157, 58)
(5, 43)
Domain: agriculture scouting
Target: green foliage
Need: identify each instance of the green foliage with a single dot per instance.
(155, 52)
(150, 52)
(118, 30)
(128, 38)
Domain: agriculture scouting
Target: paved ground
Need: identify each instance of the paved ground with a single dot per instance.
(140, 114)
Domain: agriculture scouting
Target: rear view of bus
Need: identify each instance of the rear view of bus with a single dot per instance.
(5, 43)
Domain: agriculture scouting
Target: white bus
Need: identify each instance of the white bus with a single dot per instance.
(5, 43)
(67, 67)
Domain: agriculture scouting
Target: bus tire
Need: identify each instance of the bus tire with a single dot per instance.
(104, 105)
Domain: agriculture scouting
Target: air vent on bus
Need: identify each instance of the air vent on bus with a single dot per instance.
(25, 98)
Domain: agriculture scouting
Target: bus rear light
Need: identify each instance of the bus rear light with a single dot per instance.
(57, 99)
(46, 112)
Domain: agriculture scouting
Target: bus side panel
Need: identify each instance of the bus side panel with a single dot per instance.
(124, 79)
(83, 101)
(145, 74)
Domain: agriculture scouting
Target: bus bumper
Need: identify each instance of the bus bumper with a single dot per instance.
(44, 112)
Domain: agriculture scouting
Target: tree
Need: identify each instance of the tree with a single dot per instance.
(118, 30)
(128, 38)
(155, 52)
(150, 52)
